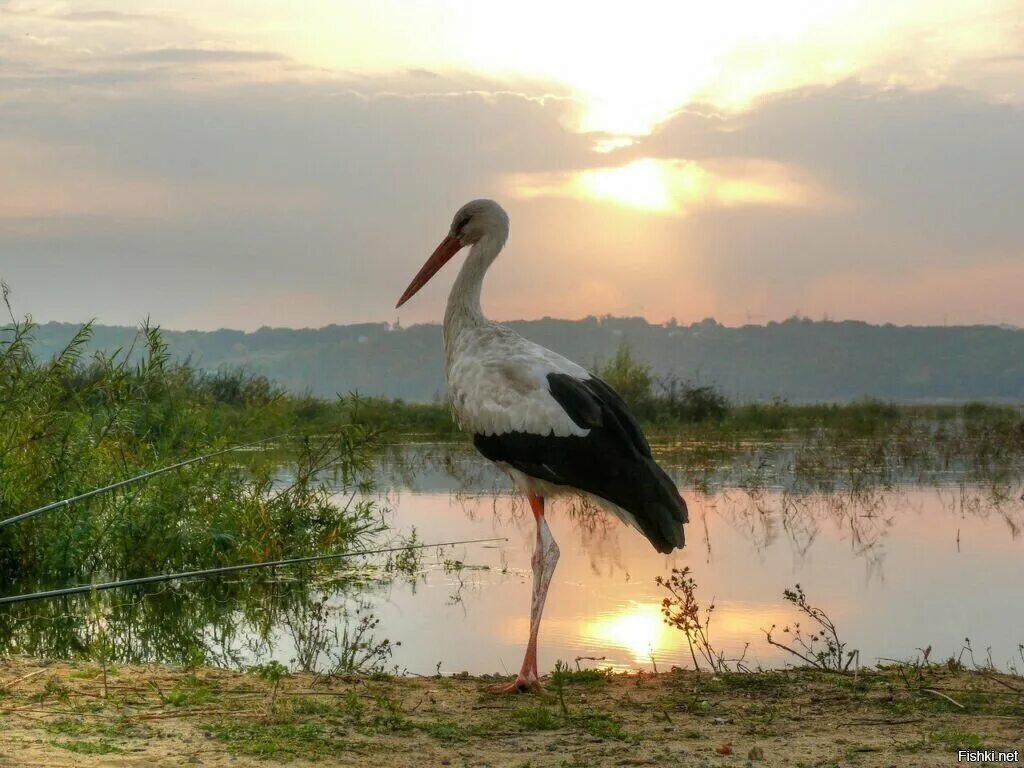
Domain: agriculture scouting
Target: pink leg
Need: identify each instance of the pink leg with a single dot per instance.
(545, 558)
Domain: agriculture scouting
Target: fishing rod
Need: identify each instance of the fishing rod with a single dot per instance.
(113, 486)
(160, 578)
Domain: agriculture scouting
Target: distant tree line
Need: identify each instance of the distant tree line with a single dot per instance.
(798, 360)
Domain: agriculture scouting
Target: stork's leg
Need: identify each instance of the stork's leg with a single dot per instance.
(545, 558)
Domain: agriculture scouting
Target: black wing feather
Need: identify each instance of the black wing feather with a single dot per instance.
(612, 462)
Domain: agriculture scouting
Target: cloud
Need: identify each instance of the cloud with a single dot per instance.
(60, 183)
(269, 189)
(200, 56)
(942, 166)
(105, 17)
(313, 198)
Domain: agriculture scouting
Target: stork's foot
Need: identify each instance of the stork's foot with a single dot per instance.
(522, 684)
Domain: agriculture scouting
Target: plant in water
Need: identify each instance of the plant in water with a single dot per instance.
(820, 647)
(683, 611)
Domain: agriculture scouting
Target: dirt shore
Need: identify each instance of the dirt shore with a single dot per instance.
(60, 714)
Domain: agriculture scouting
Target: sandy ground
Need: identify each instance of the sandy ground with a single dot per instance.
(61, 714)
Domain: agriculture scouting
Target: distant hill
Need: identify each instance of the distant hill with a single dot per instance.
(799, 360)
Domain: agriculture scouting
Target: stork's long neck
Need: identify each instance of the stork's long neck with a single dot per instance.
(463, 311)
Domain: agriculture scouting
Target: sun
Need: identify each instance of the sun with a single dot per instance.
(679, 187)
(641, 184)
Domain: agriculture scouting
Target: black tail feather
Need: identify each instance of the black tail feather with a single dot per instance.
(662, 511)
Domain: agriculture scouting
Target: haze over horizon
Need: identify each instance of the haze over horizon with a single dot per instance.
(241, 164)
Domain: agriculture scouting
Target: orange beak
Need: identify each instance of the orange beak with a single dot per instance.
(441, 255)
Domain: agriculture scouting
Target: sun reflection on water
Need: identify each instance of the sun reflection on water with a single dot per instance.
(638, 628)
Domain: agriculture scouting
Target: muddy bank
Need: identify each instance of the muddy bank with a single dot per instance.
(60, 714)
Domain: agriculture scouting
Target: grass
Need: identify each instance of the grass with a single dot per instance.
(278, 741)
(567, 676)
(446, 730)
(955, 738)
(311, 706)
(190, 692)
(537, 718)
(601, 725)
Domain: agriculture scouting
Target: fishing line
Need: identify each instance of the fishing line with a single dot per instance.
(223, 569)
(121, 483)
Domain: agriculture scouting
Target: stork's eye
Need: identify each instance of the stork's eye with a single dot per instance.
(460, 224)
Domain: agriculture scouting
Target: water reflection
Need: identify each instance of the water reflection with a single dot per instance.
(898, 564)
(637, 629)
(902, 556)
(890, 575)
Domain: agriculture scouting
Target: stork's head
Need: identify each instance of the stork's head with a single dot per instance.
(478, 219)
(473, 222)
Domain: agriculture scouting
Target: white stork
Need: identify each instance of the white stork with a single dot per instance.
(547, 422)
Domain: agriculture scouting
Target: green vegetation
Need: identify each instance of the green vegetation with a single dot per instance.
(955, 738)
(825, 447)
(667, 400)
(190, 692)
(396, 418)
(277, 741)
(563, 675)
(536, 718)
(75, 422)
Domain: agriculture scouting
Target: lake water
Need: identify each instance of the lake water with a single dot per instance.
(898, 567)
(901, 553)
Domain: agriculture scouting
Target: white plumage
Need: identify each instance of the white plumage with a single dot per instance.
(497, 383)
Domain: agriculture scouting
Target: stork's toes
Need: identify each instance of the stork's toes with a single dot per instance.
(522, 684)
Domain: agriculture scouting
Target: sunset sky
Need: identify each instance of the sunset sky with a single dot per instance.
(245, 163)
